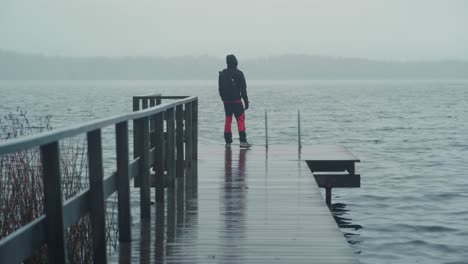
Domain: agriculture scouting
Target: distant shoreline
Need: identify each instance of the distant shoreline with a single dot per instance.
(15, 66)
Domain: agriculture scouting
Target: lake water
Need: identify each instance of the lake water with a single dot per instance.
(411, 136)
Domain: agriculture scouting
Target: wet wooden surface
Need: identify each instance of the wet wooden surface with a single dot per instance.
(252, 206)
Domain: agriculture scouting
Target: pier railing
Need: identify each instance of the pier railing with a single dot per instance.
(170, 147)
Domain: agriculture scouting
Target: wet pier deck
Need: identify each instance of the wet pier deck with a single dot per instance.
(252, 206)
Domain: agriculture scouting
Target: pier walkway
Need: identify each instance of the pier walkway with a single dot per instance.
(260, 205)
(198, 203)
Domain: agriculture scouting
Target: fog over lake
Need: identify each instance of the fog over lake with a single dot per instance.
(387, 79)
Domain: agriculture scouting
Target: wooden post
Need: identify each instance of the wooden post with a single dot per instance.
(195, 130)
(152, 101)
(180, 141)
(97, 208)
(136, 107)
(188, 145)
(136, 104)
(328, 196)
(170, 152)
(142, 145)
(123, 187)
(53, 203)
(195, 147)
(152, 125)
(159, 162)
(159, 234)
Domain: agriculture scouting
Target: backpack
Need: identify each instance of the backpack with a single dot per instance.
(227, 84)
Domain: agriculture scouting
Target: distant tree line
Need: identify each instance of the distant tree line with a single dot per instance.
(15, 66)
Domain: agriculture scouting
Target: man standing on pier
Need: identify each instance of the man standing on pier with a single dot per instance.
(232, 88)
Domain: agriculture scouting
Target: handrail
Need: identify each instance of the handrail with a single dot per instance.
(27, 142)
(181, 118)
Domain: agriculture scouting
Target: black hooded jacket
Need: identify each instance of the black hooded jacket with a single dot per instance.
(231, 82)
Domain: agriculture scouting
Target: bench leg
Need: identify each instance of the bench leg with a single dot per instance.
(328, 196)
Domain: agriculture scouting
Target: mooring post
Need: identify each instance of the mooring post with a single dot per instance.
(299, 143)
(266, 129)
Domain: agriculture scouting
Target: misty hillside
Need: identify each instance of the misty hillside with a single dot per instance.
(14, 66)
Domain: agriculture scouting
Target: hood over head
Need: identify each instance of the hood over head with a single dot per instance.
(231, 61)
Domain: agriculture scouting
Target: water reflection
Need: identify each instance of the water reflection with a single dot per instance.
(233, 203)
(350, 230)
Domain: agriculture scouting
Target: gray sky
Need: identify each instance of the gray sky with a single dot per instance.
(381, 29)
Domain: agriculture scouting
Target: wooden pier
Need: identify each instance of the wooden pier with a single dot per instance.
(258, 205)
(212, 205)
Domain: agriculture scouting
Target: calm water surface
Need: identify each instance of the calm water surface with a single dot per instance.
(410, 135)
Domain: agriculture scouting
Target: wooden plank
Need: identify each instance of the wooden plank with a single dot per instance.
(56, 251)
(150, 96)
(75, 208)
(96, 191)
(110, 185)
(123, 187)
(330, 166)
(327, 153)
(133, 168)
(249, 209)
(22, 243)
(338, 180)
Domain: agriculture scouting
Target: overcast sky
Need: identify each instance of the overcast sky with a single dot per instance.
(379, 29)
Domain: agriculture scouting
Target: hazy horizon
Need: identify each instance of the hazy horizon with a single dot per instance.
(367, 29)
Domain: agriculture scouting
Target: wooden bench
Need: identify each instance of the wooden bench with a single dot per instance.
(333, 166)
